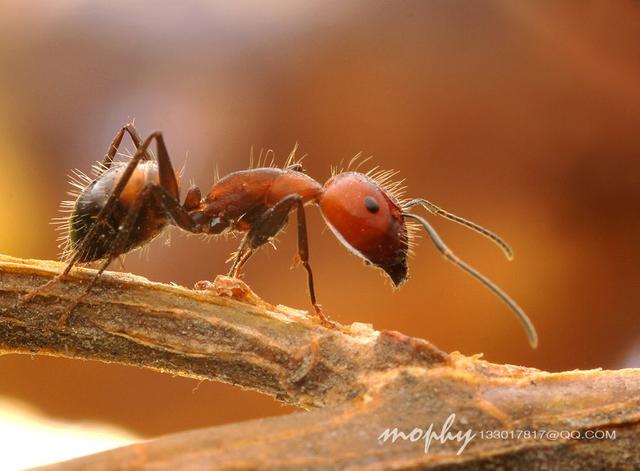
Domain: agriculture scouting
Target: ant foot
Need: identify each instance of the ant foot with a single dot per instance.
(66, 314)
(64, 317)
(324, 319)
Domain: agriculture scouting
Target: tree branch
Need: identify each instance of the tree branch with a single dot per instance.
(127, 319)
(365, 381)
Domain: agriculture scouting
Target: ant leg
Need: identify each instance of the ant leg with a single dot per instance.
(167, 175)
(166, 172)
(165, 200)
(117, 140)
(67, 312)
(53, 281)
(303, 253)
(269, 224)
(119, 243)
(111, 203)
(243, 254)
(239, 260)
(103, 215)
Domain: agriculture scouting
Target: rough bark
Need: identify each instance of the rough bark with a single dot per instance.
(359, 381)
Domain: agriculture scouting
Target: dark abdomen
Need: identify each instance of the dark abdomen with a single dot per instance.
(149, 222)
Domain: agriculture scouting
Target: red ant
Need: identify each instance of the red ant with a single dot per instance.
(128, 203)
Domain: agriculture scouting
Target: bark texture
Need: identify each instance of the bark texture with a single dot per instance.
(360, 382)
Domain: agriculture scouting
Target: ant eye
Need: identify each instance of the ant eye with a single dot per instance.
(371, 205)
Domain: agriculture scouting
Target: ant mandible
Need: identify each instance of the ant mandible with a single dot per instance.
(129, 203)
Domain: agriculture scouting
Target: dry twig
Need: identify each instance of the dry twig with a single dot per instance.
(363, 382)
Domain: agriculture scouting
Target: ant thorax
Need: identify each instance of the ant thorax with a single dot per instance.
(241, 198)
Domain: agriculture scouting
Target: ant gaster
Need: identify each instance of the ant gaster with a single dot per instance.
(128, 203)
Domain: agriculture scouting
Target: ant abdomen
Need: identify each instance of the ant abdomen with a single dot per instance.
(91, 201)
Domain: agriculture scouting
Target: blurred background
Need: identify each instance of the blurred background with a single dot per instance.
(522, 116)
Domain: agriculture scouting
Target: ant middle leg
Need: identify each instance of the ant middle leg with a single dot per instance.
(241, 257)
(268, 225)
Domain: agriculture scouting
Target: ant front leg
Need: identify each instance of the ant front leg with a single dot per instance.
(303, 254)
(268, 225)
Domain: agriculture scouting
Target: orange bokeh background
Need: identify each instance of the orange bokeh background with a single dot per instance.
(522, 116)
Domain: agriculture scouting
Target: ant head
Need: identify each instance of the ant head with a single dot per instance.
(367, 219)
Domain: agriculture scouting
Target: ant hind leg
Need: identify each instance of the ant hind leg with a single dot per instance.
(102, 216)
(151, 191)
(117, 140)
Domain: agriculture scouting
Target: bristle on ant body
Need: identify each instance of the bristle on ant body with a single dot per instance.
(126, 204)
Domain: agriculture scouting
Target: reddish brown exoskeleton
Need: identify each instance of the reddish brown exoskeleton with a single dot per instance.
(128, 203)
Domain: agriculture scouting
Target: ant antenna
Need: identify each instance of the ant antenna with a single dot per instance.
(449, 255)
(433, 209)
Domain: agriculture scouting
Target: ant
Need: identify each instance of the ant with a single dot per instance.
(129, 203)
